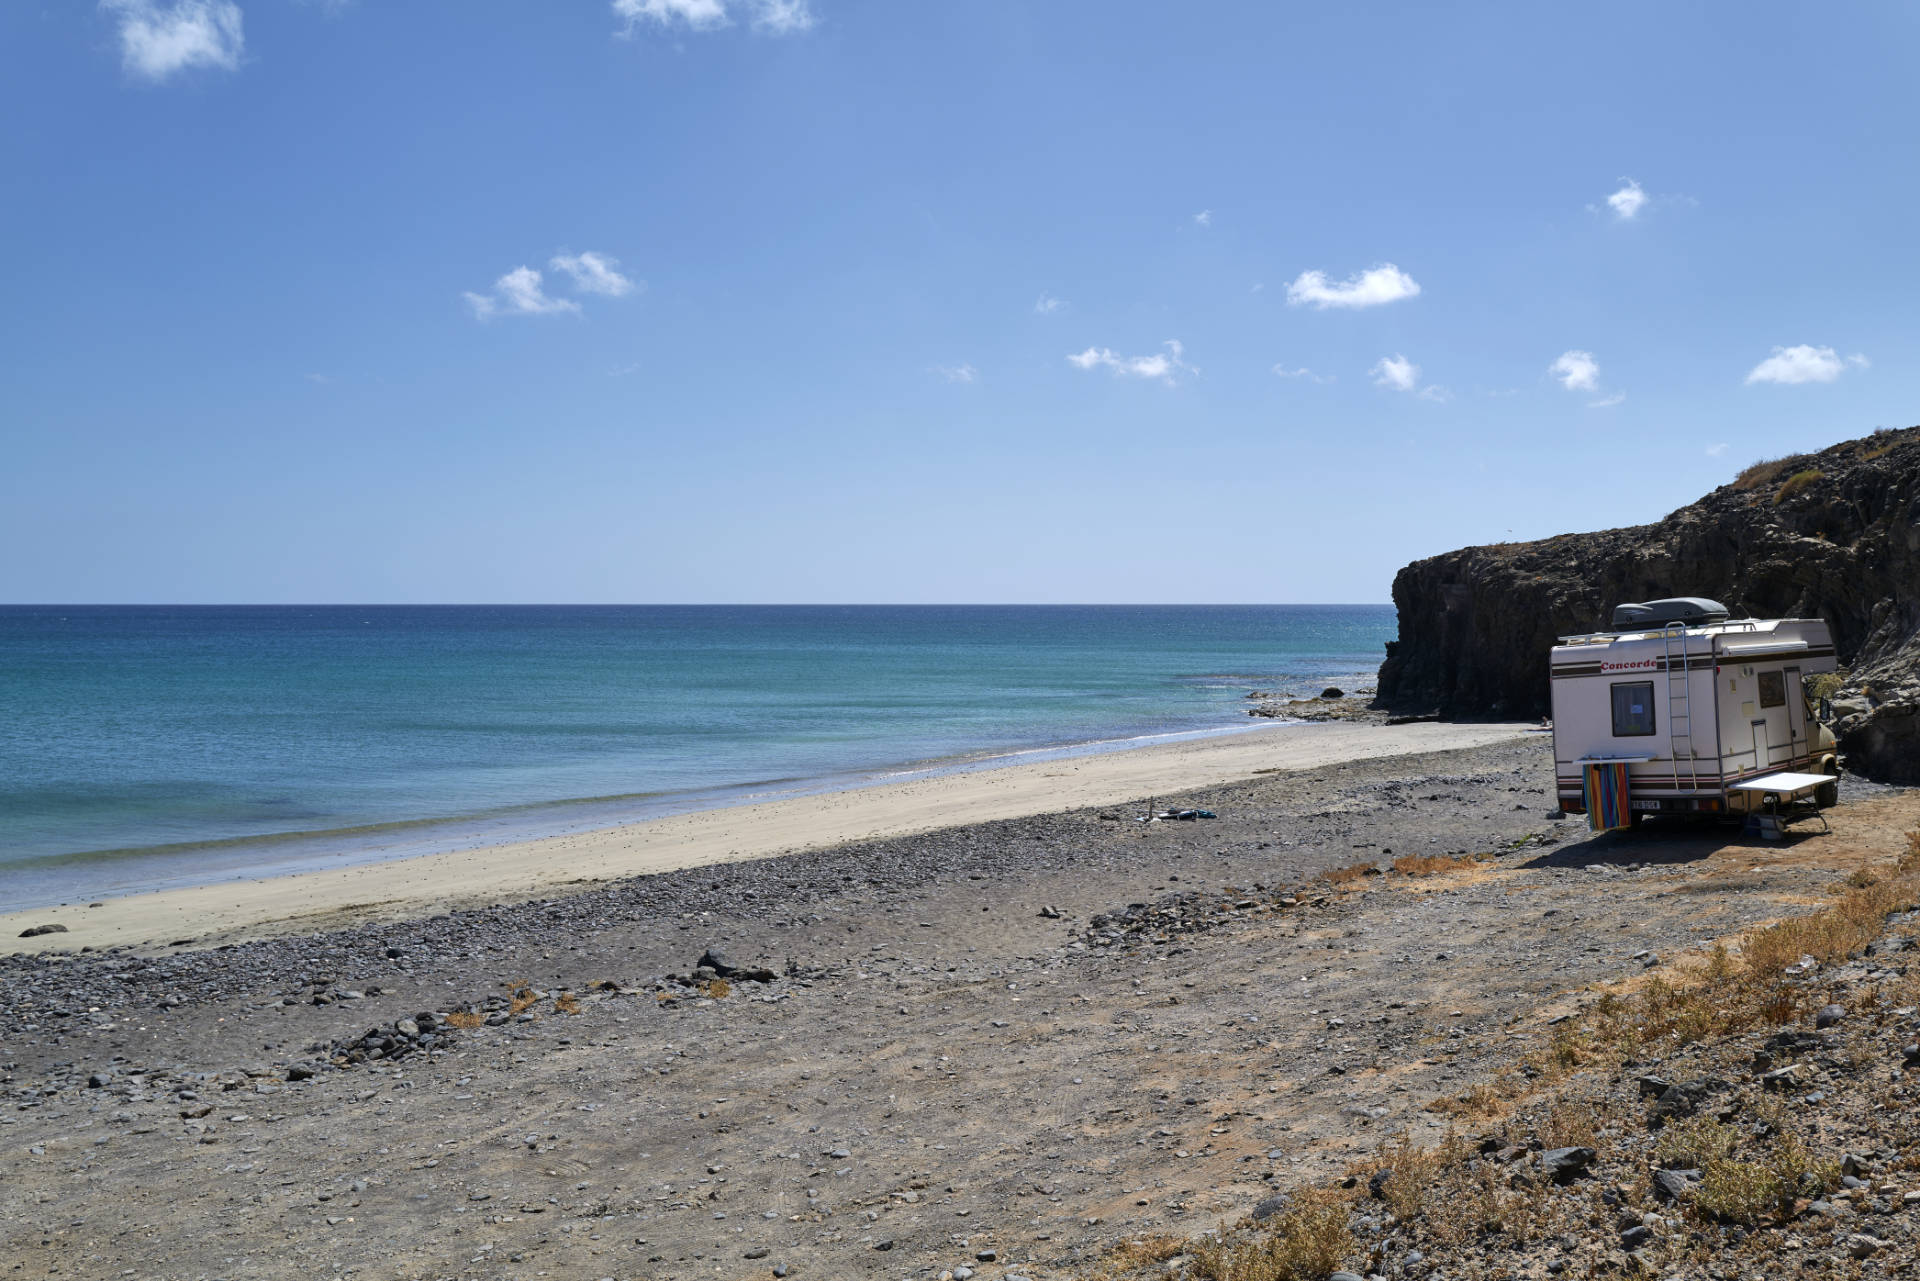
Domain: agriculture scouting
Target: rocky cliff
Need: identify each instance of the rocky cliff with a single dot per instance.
(1833, 535)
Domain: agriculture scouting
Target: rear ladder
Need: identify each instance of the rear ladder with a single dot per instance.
(1680, 705)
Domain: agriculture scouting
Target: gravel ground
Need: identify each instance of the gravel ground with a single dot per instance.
(971, 1051)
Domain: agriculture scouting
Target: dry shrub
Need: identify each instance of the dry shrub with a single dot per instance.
(1308, 1242)
(1691, 1144)
(1347, 875)
(1764, 1187)
(1798, 484)
(1863, 878)
(1483, 1100)
(1431, 864)
(1132, 1255)
(522, 999)
(1761, 473)
(716, 988)
(466, 1020)
(1570, 1125)
(567, 1003)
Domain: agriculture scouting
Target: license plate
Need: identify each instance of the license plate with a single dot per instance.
(1646, 805)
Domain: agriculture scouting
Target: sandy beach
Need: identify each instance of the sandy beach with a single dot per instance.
(1020, 1046)
(401, 889)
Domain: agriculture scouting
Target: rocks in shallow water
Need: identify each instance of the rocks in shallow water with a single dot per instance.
(35, 931)
(1333, 691)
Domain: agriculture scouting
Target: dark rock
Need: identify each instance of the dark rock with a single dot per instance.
(884, 1245)
(1566, 1163)
(1635, 1237)
(1268, 1208)
(1668, 1185)
(300, 1072)
(1829, 1015)
(1333, 691)
(720, 966)
(1683, 1100)
(1377, 1184)
(1652, 1087)
(35, 931)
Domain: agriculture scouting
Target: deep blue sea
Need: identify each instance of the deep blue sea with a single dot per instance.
(142, 747)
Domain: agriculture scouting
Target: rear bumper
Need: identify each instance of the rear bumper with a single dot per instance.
(1656, 805)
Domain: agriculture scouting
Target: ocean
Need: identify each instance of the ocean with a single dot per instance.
(147, 747)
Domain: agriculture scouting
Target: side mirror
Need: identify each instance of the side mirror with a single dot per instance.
(1826, 711)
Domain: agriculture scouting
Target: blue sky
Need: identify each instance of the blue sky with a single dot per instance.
(861, 300)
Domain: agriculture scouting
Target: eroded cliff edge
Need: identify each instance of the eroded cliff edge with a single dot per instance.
(1833, 535)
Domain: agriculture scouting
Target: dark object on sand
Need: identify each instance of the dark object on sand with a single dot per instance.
(716, 960)
(34, 932)
(1333, 691)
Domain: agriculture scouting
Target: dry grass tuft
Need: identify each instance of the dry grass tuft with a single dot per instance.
(1132, 1255)
(567, 1003)
(1308, 1242)
(466, 1020)
(1798, 484)
(1431, 864)
(522, 999)
(1762, 473)
(1348, 875)
(718, 989)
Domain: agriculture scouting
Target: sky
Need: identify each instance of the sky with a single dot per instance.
(868, 301)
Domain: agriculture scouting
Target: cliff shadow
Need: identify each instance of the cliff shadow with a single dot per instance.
(1657, 844)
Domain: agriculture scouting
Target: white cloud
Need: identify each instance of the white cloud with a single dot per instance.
(1204, 218)
(520, 292)
(319, 379)
(1577, 371)
(1166, 366)
(775, 17)
(1046, 305)
(593, 273)
(957, 373)
(1628, 201)
(1803, 364)
(1607, 402)
(1715, 451)
(157, 42)
(1435, 393)
(1302, 372)
(1396, 372)
(1383, 284)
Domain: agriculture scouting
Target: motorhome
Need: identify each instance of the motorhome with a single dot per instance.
(1687, 711)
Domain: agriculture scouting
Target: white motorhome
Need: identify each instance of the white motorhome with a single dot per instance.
(1694, 704)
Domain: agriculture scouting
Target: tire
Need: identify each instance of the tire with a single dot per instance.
(1827, 795)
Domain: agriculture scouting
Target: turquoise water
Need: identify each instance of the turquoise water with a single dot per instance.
(151, 746)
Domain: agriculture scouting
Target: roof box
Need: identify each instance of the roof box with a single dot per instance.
(1677, 611)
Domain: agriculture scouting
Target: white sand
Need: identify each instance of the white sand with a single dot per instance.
(431, 883)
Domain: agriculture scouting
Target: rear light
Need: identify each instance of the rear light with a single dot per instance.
(1710, 805)
(1572, 807)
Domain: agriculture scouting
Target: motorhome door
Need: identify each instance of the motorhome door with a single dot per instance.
(1796, 716)
(1762, 753)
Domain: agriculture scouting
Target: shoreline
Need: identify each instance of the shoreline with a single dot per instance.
(232, 859)
(425, 884)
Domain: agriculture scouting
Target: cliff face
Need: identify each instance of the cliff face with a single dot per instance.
(1833, 535)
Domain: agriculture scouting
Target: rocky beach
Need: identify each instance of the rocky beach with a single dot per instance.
(1063, 1044)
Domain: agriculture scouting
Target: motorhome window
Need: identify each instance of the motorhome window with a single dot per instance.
(1773, 689)
(1633, 709)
